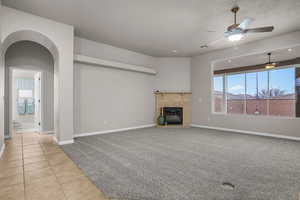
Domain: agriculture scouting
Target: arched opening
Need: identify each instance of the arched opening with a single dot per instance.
(15, 55)
(29, 88)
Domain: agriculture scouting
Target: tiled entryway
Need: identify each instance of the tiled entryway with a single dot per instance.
(33, 167)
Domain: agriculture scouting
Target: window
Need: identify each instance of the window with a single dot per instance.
(265, 92)
(218, 94)
(282, 92)
(25, 93)
(257, 93)
(236, 93)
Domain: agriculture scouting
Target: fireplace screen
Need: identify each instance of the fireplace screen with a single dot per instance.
(173, 115)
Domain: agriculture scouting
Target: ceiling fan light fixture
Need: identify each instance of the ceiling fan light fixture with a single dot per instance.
(270, 66)
(235, 37)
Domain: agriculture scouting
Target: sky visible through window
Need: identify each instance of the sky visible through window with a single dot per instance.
(218, 83)
(236, 84)
(281, 79)
(268, 92)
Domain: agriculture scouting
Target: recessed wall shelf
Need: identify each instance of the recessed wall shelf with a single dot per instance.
(113, 64)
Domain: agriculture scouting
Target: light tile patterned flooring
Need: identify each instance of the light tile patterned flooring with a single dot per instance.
(34, 167)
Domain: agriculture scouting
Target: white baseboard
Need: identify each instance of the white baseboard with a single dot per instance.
(63, 142)
(55, 139)
(46, 132)
(27, 130)
(2, 150)
(113, 131)
(66, 142)
(248, 132)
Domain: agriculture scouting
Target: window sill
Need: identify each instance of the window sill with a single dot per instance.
(255, 116)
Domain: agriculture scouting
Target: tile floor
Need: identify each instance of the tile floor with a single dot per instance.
(34, 167)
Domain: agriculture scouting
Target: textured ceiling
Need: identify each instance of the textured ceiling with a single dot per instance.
(157, 27)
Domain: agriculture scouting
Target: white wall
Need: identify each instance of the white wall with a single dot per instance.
(107, 52)
(1, 88)
(108, 99)
(202, 84)
(59, 40)
(32, 56)
(173, 74)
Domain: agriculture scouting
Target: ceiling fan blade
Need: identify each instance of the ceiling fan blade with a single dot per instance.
(260, 30)
(245, 23)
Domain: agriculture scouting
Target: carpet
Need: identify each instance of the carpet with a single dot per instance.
(189, 164)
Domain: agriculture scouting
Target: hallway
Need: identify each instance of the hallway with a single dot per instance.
(33, 167)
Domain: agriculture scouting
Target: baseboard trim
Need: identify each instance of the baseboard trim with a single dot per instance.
(27, 130)
(63, 142)
(46, 132)
(248, 132)
(2, 150)
(113, 130)
(66, 142)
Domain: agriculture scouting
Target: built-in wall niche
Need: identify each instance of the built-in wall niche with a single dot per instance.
(264, 84)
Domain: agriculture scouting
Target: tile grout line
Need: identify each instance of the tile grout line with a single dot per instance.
(23, 166)
(51, 167)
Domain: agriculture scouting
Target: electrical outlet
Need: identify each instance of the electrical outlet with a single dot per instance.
(200, 100)
(105, 122)
(208, 118)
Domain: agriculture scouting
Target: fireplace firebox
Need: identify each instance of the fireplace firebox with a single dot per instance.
(173, 115)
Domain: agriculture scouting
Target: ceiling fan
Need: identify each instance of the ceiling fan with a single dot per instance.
(236, 31)
(270, 65)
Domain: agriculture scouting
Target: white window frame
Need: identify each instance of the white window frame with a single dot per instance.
(225, 89)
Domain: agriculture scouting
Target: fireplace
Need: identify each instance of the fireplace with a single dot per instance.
(173, 115)
(172, 109)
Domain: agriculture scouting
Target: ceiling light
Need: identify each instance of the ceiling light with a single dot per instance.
(235, 37)
(229, 61)
(270, 65)
(290, 49)
(174, 51)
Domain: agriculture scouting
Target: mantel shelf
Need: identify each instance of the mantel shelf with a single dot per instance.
(113, 64)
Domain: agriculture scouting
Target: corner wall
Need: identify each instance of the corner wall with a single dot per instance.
(173, 74)
(202, 87)
(109, 99)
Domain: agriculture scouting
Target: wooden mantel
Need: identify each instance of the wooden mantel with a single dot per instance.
(174, 99)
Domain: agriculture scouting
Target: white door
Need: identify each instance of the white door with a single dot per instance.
(37, 99)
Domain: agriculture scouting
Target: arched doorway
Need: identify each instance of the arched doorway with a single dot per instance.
(29, 88)
(58, 38)
(43, 41)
